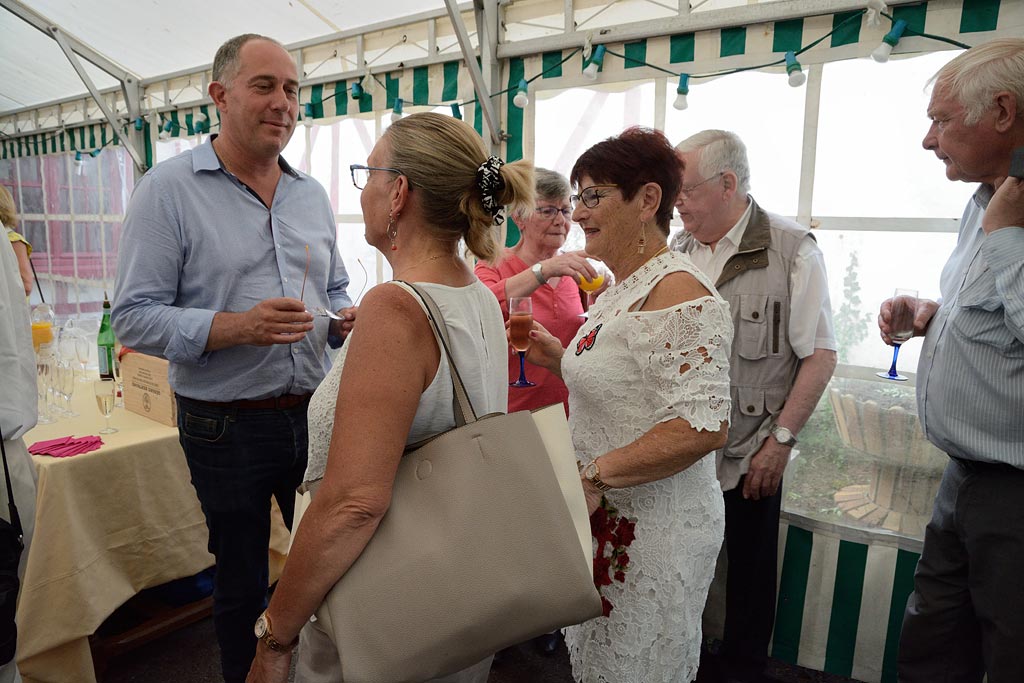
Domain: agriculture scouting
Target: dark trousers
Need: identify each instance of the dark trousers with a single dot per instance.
(238, 459)
(751, 544)
(965, 617)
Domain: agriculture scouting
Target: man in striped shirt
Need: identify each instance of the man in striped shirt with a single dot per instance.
(965, 617)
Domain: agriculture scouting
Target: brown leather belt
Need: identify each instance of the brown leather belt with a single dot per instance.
(273, 403)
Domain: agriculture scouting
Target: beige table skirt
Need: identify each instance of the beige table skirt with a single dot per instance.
(108, 524)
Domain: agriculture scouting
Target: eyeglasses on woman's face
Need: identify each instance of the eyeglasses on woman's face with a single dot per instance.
(589, 196)
(548, 213)
(361, 174)
(687, 191)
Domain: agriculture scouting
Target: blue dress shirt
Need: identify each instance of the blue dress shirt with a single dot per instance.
(196, 242)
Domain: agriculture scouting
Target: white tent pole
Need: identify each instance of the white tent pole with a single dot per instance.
(483, 95)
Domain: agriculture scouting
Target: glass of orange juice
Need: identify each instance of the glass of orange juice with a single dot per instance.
(590, 286)
(42, 325)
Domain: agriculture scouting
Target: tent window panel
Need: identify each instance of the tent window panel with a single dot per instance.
(568, 122)
(334, 148)
(861, 269)
(360, 260)
(872, 122)
(773, 138)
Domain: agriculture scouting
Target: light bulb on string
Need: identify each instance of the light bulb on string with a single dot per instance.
(796, 75)
(96, 152)
(357, 90)
(596, 61)
(396, 111)
(165, 130)
(881, 53)
(522, 97)
(78, 163)
(682, 90)
(456, 111)
(199, 123)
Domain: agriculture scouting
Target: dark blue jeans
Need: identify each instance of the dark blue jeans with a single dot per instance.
(238, 459)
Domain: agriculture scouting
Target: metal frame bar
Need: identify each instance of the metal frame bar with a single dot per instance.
(487, 54)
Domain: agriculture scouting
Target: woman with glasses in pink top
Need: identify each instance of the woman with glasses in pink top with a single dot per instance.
(534, 267)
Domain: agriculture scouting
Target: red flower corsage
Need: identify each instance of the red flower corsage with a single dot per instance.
(614, 533)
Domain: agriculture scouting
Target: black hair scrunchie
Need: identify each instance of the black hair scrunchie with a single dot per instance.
(490, 182)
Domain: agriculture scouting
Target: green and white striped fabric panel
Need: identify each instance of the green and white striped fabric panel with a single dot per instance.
(81, 139)
(436, 84)
(841, 602)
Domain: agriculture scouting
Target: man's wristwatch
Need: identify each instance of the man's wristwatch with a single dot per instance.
(782, 435)
(538, 272)
(264, 633)
(592, 473)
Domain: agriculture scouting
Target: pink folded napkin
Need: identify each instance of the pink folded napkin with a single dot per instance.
(66, 446)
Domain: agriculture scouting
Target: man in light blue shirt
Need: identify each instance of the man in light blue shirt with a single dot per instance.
(225, 250)
(965, 618)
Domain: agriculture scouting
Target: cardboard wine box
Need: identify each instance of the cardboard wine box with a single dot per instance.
(146, 390)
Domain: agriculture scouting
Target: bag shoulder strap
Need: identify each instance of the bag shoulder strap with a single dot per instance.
(464, 413)
(11, 507)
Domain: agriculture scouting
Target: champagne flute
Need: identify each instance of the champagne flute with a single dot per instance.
(118, 379)
(520, 318)
(44, 366)
(902, 311)
(66, 377)
(104, 390)
(82, 349)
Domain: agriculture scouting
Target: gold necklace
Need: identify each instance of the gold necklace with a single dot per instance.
(660, 252)
(427, 260)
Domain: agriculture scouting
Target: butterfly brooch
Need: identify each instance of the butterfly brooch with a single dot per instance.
(587, 341)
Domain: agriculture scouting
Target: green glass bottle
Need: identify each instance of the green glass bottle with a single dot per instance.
(105, 343)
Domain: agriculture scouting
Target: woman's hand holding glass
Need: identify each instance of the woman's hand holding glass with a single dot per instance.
(545, 350)
(572, 264)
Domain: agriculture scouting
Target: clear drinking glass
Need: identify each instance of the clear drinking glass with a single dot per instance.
(104, 390)
(44, 368)
(520, 317)
(901, 325)
(119, 396)
(82, 349)
(66, 379)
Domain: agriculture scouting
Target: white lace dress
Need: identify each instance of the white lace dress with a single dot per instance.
(627, 371)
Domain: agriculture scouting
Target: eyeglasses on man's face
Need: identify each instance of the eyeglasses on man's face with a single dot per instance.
(589, 196)
(361, 174)
(687, 191)
(548, 213)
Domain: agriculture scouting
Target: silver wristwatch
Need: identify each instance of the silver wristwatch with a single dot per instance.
(538, 272)
(782, 435)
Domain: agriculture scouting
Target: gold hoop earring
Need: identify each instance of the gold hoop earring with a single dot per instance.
(392, 231)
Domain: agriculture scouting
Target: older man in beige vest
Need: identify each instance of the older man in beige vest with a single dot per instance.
(772, 273)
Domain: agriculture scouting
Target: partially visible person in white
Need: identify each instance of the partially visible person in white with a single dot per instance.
(17, 407)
